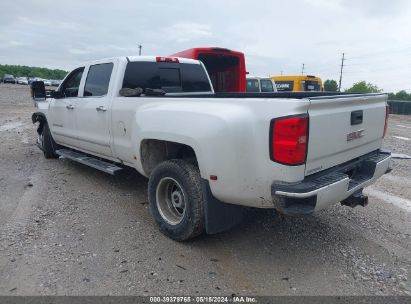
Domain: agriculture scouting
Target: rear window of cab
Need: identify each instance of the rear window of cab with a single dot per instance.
(168, 76)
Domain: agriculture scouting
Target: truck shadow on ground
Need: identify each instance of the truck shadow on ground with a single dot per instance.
(263, 251)
(263, 231)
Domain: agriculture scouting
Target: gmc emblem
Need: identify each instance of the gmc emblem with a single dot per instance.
(355, 135)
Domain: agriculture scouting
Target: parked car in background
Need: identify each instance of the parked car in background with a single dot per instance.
(299, 83)
(8, 79)
(47, 82)
(22, 80)
(31, 79)
(55, 83)
(260, 84)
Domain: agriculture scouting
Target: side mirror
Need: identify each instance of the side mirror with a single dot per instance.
(38, 91)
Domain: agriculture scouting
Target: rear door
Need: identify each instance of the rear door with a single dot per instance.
(93, 110)
(342, 128)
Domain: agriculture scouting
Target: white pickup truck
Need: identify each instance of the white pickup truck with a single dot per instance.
(209, 154)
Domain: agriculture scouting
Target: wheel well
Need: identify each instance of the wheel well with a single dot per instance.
(155, 151)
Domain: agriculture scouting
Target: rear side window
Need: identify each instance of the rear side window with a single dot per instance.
(266, 85)
(252, 85)
(98, 79)
(170, 77)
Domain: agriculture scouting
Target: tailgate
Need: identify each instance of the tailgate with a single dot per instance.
(343, 128)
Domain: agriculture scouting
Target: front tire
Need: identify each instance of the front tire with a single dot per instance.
(176, 199)
(48, 145)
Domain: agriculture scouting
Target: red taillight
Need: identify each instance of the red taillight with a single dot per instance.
(289, 137)
(167, 59)
(387, 113)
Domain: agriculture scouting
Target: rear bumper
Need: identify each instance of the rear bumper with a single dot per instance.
(322, 189)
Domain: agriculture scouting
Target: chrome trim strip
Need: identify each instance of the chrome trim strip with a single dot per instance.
(308, 194)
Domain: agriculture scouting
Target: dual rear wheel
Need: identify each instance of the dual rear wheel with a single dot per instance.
(176, 199)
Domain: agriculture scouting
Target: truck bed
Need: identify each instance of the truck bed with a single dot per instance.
(295, 95)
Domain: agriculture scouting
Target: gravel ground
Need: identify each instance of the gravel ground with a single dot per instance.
(66, 229)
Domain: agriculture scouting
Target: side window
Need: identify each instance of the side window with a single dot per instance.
(252, 85)
(98, 79)
(311, 86)
(72, 83)
(266, 85)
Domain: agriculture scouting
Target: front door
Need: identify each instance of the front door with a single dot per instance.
(93, 111)
(62, 118)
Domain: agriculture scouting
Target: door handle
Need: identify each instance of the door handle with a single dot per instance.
(70, 107)
(101, 109)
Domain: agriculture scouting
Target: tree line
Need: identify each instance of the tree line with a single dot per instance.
(365, 87)
(26, 71)
(330, 85)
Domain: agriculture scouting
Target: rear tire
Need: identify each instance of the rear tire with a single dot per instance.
(176, 199)
(48, 145)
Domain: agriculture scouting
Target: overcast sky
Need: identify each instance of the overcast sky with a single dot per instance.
(274, 35)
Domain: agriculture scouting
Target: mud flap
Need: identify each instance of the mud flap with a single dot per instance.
(219, 216)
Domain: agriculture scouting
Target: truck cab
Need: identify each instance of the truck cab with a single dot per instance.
(260, 85)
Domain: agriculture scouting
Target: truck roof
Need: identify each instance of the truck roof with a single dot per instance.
(301, 77)
(154, 59)
(148, 59)
(258, 77)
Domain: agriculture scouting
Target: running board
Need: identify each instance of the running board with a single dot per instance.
(89, 161)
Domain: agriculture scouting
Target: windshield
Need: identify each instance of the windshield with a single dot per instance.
(252, 85)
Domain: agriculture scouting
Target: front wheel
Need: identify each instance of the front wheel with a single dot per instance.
(47, 143)
(176, 199)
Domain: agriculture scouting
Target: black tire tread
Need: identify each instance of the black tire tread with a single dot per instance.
(189, 173)
(49, 145)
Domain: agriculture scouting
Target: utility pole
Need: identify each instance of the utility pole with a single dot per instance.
(342, 66)
(281, 72)
(302, 70)
(139, 49)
